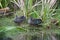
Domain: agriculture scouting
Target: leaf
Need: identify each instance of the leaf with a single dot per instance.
(4, 3)
(0, 5)
(34, 14)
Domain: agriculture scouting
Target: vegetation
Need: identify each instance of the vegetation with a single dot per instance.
(35, 9)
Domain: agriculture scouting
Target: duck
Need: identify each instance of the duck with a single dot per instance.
(20, 19)
(33, 21)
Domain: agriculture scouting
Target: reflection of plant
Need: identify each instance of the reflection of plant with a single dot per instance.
(5, 31)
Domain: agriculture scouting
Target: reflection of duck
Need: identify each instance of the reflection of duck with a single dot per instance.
(19, 19)
(34, 21)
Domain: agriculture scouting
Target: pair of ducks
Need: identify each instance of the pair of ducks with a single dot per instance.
(31, 21)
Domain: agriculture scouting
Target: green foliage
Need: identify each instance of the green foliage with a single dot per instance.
(9, 28)
(34, 14)
(40, 10)
(4, 3)
(11, 31)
